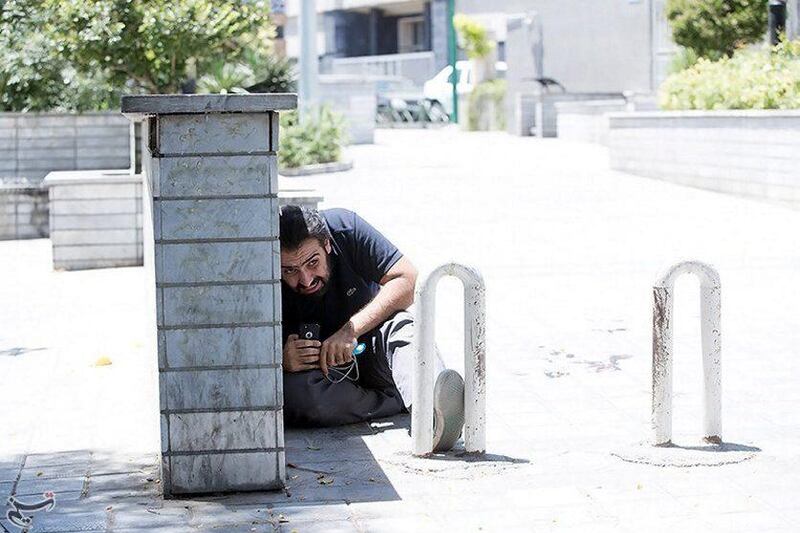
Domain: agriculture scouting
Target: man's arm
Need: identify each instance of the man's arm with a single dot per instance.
(396, 293)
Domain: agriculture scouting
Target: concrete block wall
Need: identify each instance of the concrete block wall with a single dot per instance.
(212, 198)
(546, 115)
(356, 98)
(586, 121)
(535, 113)
(23, 211)
(95, 219)
(750, 153)
(34, 144)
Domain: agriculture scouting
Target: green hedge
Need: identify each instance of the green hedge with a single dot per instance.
(750, 79)
(318, 138)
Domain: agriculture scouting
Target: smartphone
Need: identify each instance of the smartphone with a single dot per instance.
(309, 332)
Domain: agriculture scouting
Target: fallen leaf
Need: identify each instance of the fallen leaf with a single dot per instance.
(282, 519)
(39, 474)
(325, 480)
(638, 486)
(313, 448)
(102, 361)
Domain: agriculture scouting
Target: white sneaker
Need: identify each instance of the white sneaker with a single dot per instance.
(448, 410)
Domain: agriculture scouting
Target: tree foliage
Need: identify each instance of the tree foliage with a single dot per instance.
(81, 54)
(472, 37)
(151, 42)
(715, 28)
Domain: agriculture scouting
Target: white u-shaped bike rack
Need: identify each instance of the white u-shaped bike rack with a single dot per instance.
(474, 360)
(710, 315)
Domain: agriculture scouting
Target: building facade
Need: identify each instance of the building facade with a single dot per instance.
(589, 45)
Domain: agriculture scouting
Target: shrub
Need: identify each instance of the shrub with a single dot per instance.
(225, 78)
(715, 28)
(683, 59)
(751, 79)
(486, 106)
(318, 138)
(271, 74)
(258, 73)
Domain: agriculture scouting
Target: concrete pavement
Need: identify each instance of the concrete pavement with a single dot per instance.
(569, 251)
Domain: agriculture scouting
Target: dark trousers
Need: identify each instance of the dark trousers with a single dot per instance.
(310, 400)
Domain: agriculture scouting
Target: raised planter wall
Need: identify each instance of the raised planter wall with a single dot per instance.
(586, 121)
(535, 113)
(95, 219)
(23, 211)
(34, 144)
(751, 153)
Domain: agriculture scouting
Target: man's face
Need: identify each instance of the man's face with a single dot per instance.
(306, 270)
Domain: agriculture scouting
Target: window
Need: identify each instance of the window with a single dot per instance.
(411, 34)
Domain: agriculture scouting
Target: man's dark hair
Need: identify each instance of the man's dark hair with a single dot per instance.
(298, 224)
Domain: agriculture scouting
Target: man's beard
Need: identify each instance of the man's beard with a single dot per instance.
(319, 293)
(323, 284)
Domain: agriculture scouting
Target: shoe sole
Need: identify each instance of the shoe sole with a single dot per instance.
(448, 410)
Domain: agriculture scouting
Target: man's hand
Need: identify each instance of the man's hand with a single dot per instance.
(300, 354)
(338, 348)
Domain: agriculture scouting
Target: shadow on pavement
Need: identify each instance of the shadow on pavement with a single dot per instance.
(18, 350)
(724, 447)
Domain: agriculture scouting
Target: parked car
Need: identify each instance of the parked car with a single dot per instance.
(439, 88)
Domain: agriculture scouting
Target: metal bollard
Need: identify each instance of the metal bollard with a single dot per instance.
(474, 360)
(710, 315)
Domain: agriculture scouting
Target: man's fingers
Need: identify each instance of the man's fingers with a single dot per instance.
(323, 359)
(308, 351)
(302, 343)
(293, 337)
(309, 358)
(341, 356)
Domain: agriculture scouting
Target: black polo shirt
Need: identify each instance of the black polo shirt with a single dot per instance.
(360, 256)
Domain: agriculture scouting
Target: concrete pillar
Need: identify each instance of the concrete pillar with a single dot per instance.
(793, 24)
(439, 33)
(374, 23)
(211, 201)
(309, 60)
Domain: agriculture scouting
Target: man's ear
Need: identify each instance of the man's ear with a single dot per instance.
(327, 246)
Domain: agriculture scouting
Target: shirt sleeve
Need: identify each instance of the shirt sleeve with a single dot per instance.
(374, 255)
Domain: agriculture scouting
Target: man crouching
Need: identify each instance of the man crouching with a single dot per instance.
(347, 289)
